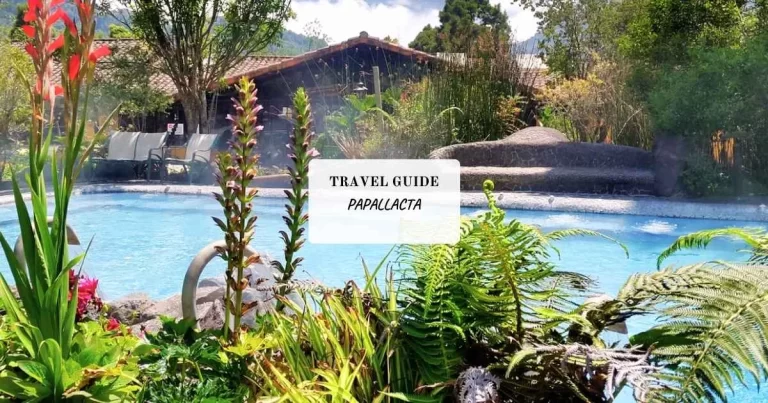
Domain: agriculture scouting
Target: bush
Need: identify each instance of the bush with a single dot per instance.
(704, 177)
(599, 108)
(721, 90)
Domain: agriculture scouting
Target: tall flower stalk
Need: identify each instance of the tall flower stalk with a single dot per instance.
(46, 322)
(237, 168)
(301, 152)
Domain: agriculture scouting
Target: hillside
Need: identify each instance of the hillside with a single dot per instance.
(290, 44)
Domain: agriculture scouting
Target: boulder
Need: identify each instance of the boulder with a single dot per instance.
(212, 282)
(131, 309)
(170, 306)
(210, 294)
(212, 317)
(669, 161)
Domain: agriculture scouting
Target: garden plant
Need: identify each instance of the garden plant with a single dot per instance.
(488, 319)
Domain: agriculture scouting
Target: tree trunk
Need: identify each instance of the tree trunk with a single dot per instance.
(195, 112)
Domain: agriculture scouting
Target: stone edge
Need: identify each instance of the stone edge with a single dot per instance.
(639, 206)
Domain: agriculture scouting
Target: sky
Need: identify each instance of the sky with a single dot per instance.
(402, 19)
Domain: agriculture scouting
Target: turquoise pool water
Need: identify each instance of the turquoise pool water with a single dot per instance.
(144, 243)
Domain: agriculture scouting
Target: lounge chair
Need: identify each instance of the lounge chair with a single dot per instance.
(148, 146)
(121, 151)
(199, 150)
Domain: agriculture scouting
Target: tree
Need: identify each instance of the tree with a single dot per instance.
(391, 40)
(120, 32)
(125, 79)
(575, 31)
(14, 108)
(461, 23)
(198, 41)
(661, 32)
(426, 40)
(316, 37)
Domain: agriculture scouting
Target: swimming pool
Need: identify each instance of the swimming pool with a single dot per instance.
(144, 243)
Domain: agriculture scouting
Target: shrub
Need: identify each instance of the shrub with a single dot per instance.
(721, 90)
(704, 177)
(598, 108)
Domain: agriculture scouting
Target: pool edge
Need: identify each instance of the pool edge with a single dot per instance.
(598, 204)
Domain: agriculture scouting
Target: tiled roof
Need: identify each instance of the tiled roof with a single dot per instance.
(255, 66)
(363, 39)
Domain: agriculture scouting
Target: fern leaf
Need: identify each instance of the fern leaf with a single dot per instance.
(755, 238)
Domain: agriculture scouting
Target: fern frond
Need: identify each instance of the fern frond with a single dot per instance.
(567, 233)
(755, 238)
(714, 328)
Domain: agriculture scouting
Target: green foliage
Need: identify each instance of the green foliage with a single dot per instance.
(756, 239)
(182, 364)
(713, 332)
(413, 129)
(461, 23)
(575, 33)
(99, 368)
(14, 106)
(720, 90)
(213, 36)
(120, 32)
(704, 177)
(341, 345)
(496, 289)
(479, 90)
(125, 79)
(662, 31)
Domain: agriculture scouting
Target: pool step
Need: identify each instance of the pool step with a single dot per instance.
(561, 179)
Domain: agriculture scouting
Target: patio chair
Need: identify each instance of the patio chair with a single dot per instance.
(121, 151)
(199, 150)
(148, 148)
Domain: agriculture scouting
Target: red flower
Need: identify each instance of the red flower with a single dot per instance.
(74, 66)
(69, 24)
(113, 324)
(28, 30)
(55, 16)
(98, 53)
(34, 5)
(30, 15)
(31, 50)
(56, 44)
(84, 7)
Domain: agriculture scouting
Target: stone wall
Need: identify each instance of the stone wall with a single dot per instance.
(544, 147)
(542, 159)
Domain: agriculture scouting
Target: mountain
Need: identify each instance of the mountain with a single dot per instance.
(530, 45)
(290, 44)
(293, 44)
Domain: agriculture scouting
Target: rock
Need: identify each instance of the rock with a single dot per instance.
(669, 161)
(150, 326)
(170, 306)
(130, 309)
(212, 317)
(212, 282)
(210, 294)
